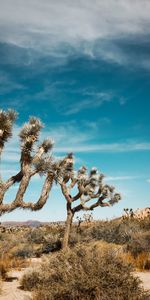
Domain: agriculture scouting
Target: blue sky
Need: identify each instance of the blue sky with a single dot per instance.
(84, 69)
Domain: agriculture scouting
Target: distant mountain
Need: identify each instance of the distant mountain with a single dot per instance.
(30, 223)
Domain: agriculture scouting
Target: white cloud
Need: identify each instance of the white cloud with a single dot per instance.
(112, 147)
(69, 137)
(95, 100)
(67, 143)
(121, 178)
(59, 28)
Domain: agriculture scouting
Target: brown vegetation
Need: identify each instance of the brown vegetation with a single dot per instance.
(100, 261)
(96, 271)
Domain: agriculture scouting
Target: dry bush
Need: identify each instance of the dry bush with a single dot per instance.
(23, 251)
(35, 235)
(139, 243)
(145, 223)
(94, 272)
(140, 262)
(4, 267)
(48, 239)
(114, 231)
(7, 262)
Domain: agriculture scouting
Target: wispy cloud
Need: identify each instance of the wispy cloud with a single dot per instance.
(67, 28)
(68, 137)
(112, 147)
(96, 99)
(121, 178)
(7, 84)
(14, 156)
(90, 97)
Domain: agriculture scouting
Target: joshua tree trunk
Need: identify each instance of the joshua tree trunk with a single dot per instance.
(70, 215)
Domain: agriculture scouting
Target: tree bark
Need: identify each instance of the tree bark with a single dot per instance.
(70, 215)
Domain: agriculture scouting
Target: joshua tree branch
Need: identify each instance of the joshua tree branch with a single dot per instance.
(65, 192)
(12, 180)
(19, 203)
(29, 164)
(77, 196)
(99, 202)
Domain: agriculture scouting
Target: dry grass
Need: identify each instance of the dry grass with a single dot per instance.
(7, 263)
(4, 267)
(141, 262)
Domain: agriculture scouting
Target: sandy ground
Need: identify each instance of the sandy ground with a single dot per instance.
(145, 278)
(11, 288)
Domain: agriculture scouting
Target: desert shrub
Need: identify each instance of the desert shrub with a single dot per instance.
(142, 261)
(51, 247)
(30, 279)
(1, 236)
(119, 231)
(75, 237)
(51, 243)
(23, 251)
(35, 236)
(84, 273)
(145, 223)
(7, 262)
(115, 231)
(3, 269)
(139, 243)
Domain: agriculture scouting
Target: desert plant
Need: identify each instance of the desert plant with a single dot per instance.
(139, 243)
(3, 268)
(85, 273)
(119, 231)
(23, 251)
(140, 262)
(89, 186)
(30, 163)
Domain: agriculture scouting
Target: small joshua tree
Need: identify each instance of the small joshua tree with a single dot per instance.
(89, 186)
(77, 187)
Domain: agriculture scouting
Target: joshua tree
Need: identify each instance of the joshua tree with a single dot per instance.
(78, 188)
(31, 162)
(89, 188)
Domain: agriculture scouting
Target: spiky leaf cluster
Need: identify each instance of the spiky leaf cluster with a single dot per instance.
(47, 145)
(28, 136)
(89, 182)
(115, 199)
(7, 119)
(44, 165)
(65, 169)
(30, 131)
